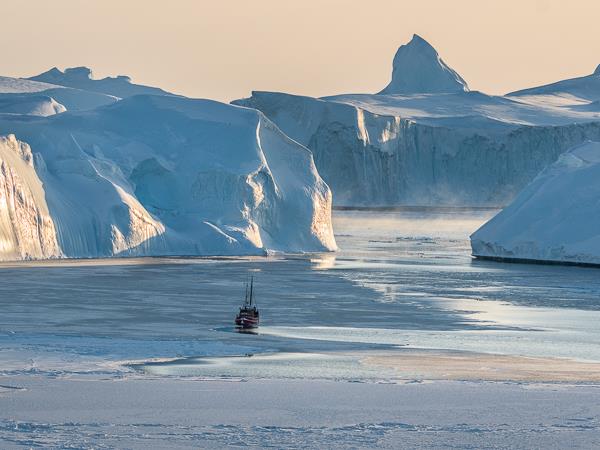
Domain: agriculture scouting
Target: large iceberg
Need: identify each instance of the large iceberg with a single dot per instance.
(556, 218)
(153, 175)
(427, 140)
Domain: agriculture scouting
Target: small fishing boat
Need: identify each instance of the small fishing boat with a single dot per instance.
(248, 315)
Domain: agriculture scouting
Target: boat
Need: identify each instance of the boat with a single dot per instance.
(248, 316)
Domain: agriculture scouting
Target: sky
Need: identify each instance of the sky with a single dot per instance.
(224, 49)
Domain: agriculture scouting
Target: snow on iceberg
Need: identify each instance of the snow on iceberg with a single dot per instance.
(556, 218)
(29, 104)
(571, 91)
(26, 97)
(164, 175)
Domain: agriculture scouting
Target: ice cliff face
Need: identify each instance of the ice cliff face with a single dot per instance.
(428, 141)
(418, 68)
(157, 175)
(26, 228)
(385, 159)
(556, 218)
(572, 91)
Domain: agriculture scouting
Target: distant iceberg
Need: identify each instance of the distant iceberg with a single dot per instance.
(82, 78)
(428, 139)
(417, 68)
(555, 219)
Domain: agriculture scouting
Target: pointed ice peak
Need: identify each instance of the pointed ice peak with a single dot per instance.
(418, 68)
(597, 71)
(418, 40)
(55, 71)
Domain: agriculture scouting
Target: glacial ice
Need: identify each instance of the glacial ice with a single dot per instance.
(418, 68)
(556, 218)
(435, 143)
(21, 94)
(82, 78)
(586, 88)
(26, 228)
(154, 175)
(29, 104)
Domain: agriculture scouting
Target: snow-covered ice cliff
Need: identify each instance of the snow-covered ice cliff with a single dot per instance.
(556, 218)
(427, 140)
(152, 175)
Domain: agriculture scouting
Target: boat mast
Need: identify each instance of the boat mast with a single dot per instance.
(251, 288)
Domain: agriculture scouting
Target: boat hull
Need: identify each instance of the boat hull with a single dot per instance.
(246, 322)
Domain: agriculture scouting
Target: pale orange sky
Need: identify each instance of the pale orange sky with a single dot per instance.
(223, 49)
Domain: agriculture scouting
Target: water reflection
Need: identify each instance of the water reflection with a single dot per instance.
(324, 261)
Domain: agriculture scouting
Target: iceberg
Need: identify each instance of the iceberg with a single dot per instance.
(27, 230)
(418, 68)
(82, 78)
(555, 219)
(22, 96)
(152, 175)
(29, 104)
(573, 90)
(427, 139)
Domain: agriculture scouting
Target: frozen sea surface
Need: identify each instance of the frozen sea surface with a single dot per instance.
(166, 413)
